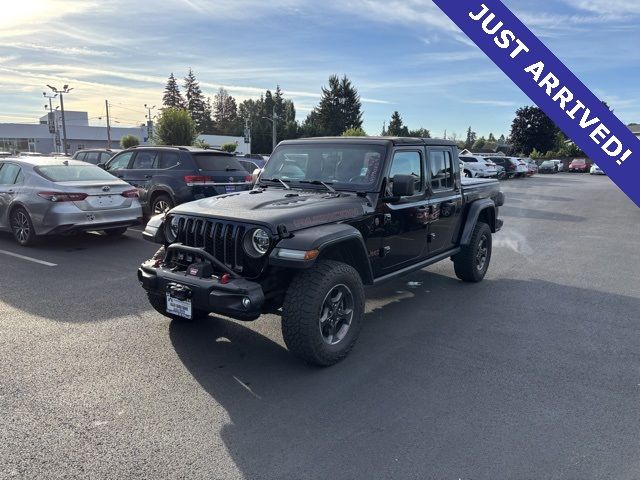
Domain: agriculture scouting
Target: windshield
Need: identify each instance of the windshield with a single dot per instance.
(72, 173)
(223, 163)
(345, 166)
(579, 162)
(548, 164)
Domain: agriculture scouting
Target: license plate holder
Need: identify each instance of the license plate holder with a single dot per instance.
(178, 303)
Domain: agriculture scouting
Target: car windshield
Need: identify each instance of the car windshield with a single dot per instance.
(73, 173)
(547, 164)
(579, 162)
(345, 166)
(223, 163)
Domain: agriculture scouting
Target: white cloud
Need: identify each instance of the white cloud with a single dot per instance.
(618, 8)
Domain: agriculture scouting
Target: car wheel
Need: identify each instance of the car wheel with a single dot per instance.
(467, 174)
(115, 232)
(322, 313)
(161, 204)
(22, 227)
(159, 303)
(472, 263)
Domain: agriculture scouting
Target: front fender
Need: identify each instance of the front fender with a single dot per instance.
(321, 239)
(154, 231)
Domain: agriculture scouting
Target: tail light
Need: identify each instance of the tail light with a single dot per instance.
(63, 196)
(130, 193)
(248, 178)
(192, 180)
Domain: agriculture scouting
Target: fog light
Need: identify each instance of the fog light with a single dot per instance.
(246, 303)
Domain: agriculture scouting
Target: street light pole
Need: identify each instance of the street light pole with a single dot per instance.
(51, 119)
(65, 89)
(106, 104)
(149, 121)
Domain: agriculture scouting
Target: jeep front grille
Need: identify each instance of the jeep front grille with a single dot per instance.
(221, 239)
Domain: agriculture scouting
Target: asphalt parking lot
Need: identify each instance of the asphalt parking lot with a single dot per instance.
(534, 373)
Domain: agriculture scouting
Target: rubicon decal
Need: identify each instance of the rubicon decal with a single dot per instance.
(552, 86)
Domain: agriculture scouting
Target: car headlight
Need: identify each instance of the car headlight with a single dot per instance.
(171, 228)
(257, 243)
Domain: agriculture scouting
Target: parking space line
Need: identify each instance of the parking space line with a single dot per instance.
(34, 260)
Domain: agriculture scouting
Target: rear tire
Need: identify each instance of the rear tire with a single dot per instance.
(22, 227)
(322, 313)
(159, 303)
(115, 232)
(472, 263)
(161, 204)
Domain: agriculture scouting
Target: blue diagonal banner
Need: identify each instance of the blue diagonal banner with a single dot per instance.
(551, 86)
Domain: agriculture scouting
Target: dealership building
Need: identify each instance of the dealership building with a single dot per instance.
(46, 136)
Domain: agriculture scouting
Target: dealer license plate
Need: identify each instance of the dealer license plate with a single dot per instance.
(181, 308)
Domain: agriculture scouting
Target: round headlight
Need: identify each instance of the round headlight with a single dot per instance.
(171, 228)
(257, 243)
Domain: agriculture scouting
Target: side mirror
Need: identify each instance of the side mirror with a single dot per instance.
(256, 174)
(102, 166)
(404, 185)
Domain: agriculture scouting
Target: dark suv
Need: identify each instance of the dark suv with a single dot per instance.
(95, 156)
(168, 176)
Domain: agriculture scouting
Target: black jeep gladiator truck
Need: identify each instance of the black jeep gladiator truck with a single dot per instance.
(326, 217)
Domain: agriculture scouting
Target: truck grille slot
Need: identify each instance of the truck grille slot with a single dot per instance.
(221, 239)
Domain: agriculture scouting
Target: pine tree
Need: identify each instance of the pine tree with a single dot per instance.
(351, 105)
(502, 140)
(225, 113)
(471, 138)
(195, 101)
(396, 127)
(339, 109)
(172, 97)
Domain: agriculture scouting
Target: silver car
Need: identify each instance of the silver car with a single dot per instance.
(46, 195)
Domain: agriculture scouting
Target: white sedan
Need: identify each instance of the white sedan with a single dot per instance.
(596, 170)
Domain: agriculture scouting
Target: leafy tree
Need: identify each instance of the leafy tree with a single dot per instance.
(175, 126)
(479, 144)
(420, 133)
(195, 102)
(354, 132)
(471, 138)
(396, 127)
(532, 129)
(229, 147)
(129, 141)
(339, 109)
(172, 96)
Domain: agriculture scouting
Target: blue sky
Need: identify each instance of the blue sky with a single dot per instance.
(401, 55)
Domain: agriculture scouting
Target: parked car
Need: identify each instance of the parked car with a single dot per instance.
(596, 170)
(351, 212)
(478, 167)
(579, 165)
(168, 176)
(4, 154)
(31, 154)
(532, 166)
(256, 159)
(95, 156)
(512, 166)
(548, 166)
(46, 195)
(559, 165)
(502, 173)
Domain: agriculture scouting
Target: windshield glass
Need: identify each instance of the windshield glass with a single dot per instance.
(224, 163)
(548, 164)
(579, 162)
(73, 173)
(345, 166)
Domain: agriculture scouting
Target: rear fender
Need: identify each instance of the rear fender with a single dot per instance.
(484, 208)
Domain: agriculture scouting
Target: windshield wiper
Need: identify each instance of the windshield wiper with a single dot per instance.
(276, 180)
(318, 182)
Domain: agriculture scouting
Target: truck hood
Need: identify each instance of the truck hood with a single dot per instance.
(272, 207)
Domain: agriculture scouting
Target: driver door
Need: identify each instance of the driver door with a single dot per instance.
(405, 222)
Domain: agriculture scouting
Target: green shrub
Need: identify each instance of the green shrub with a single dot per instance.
(175, 127)
(129, 141)
(229, 147)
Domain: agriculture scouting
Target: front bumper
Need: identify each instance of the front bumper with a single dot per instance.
(239, 298)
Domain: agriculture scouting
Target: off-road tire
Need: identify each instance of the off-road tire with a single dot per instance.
(115, 232)
(302, 309)
(22, 227)
(159, 303)
(466, 263)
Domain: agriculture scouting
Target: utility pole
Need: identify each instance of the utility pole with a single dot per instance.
(51, 119)
(106, 104)
(65, 89)
(274, 126)
(149, 121)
